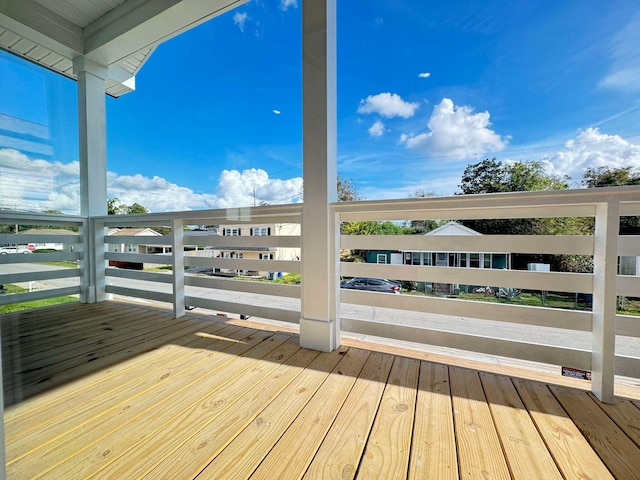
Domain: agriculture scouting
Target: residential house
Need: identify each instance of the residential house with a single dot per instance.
(258, 252)
(42, 242)
(444, 258)
(136, 247)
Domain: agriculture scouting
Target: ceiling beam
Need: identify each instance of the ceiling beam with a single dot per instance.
(139, 24)
(33, 21)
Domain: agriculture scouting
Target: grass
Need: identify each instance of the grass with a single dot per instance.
(66, 264)
(16, 307)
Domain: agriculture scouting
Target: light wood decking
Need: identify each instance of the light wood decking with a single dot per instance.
(120, 391)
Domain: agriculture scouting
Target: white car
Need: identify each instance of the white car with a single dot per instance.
(18, 249)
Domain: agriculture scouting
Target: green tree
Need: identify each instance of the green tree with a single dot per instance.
(136, 208)
(116, 207)
(611, 177)
(487, 176)
(616, 177)
(492, 176)
(347, 191)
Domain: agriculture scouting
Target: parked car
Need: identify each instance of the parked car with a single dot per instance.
(18, 249)
(372, 284)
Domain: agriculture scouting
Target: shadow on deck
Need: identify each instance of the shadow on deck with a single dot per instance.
(118, 390)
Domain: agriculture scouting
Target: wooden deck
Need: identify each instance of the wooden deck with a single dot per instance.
(120, 391)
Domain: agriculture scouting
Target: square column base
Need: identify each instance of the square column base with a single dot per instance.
(319, 335)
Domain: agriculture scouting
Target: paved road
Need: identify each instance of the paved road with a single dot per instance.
(547, 336)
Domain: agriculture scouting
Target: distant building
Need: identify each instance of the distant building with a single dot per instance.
(258, 252)
(36, 245)
(146, 247)
(493, 260)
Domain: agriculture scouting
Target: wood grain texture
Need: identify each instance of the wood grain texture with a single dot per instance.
(524, 449)
(479, 450)
(433, 451)
(293, 453)
(571, 451)
(208, 397)
(625, 414)
(340, 452)
(245, 452)
(387, 453)
(618, 452)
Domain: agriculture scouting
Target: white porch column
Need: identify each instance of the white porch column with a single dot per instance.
(605, 270)
(93, 171)
(320, 322)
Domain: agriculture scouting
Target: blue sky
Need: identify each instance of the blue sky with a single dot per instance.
(424, 89)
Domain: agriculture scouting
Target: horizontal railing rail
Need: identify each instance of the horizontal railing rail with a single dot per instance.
(197, 269)
(470, 316)
(33, 270)
(197, 277)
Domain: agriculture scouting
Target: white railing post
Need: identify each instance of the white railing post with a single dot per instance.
(177, 257)
(320, 318)
(605, 269)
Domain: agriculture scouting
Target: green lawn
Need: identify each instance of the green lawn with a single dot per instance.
(15, 307)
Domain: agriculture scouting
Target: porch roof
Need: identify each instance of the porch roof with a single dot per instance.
(119, 35)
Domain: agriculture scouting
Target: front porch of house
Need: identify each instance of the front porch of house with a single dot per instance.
(120, 390)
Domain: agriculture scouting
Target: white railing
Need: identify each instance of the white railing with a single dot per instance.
(31, 269)
(515, 331)
(242, 297)
(584, 339)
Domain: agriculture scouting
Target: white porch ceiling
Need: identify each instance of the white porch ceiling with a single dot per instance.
(119, 35)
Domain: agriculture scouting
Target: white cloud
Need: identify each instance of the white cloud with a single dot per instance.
(236, 189)
(592, 149)
(424, 75)
(285, 4)
(377, 129)
(624, 73)
(388, 105)
(35, 184)
(240, 18)
(456, 131)
(277, 112)
(38, 185)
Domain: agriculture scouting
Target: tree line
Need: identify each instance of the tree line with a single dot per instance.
(493, 176)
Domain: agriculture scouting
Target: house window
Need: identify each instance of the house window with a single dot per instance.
(265, 256)
(442, 259)
(381, 258)
(474, 260)
(260, 231)
(226, 255)
(463, 260)
(239, 255)
(131, 248)
(487, 260)
(231, 232)
(416, 258)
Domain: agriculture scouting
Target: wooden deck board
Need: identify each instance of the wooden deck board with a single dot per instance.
(479, 450)
(341, 450)
(387, 452)
(245, 452)
(616, 449)
(294, 451)
(205, 397)
(433, 452)
(524, 449)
